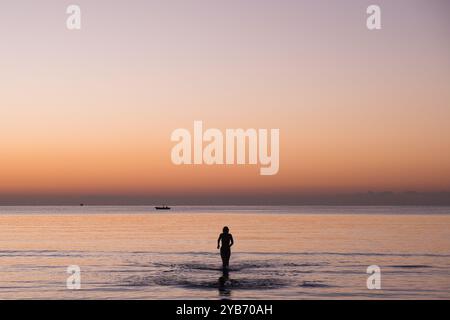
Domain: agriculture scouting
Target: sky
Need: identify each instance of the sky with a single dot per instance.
(88, 114)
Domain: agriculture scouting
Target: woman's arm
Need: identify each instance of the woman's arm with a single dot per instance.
(231, 240)
(218, 241)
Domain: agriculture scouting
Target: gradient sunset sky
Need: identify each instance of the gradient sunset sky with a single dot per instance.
(89, 113)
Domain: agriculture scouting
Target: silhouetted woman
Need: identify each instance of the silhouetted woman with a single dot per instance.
(227, 242)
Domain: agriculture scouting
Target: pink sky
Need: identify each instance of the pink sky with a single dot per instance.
(91, 111)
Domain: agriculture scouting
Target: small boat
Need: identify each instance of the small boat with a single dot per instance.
(162, 208)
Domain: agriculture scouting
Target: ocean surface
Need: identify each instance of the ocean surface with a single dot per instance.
(292, 252)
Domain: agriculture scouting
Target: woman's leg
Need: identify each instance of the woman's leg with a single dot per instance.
(222, 255)
(227, 259)
(225, 253)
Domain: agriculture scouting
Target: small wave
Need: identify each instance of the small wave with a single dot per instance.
(210, 254)
(187, 266)
(314, 284)
(293, 264)
(220, 283)
(217, 267)
(409, 266)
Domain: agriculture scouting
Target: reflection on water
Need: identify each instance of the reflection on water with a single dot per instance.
(225, 284)
(278, 255)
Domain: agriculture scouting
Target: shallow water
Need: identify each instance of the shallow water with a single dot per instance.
(280, 253)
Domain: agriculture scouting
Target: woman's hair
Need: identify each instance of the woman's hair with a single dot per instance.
(226, 230)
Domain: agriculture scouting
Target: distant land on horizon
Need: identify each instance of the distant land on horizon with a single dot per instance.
(367, 199)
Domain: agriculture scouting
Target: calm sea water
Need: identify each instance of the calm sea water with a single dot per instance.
(280, 252)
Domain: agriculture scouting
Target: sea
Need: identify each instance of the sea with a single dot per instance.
(280, 252)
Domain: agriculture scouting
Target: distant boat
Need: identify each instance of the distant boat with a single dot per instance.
(162, 208)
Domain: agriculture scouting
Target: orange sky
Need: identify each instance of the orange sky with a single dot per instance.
(91, 111)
